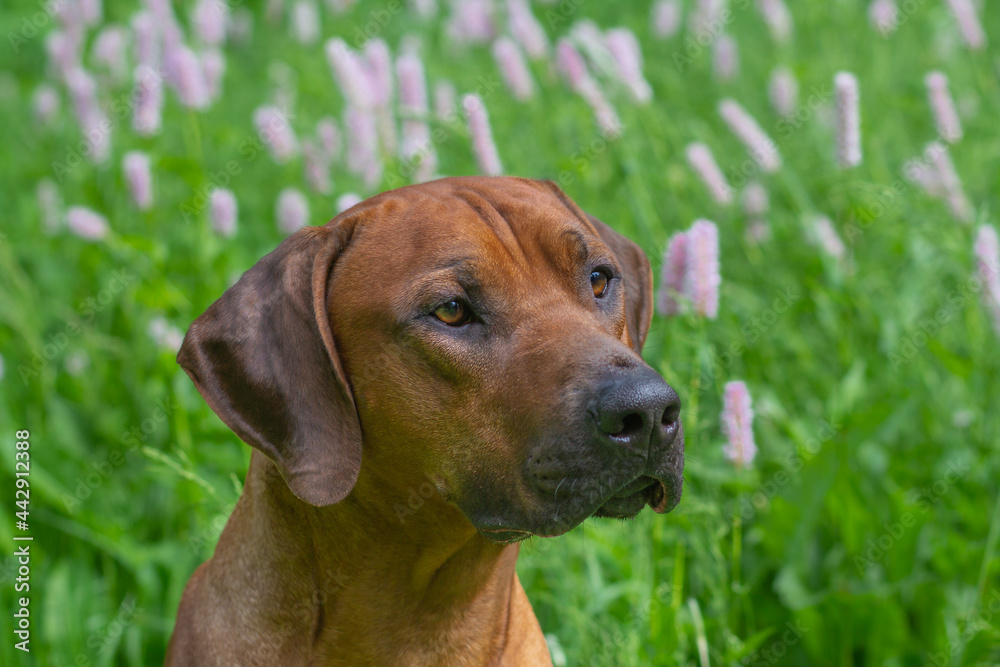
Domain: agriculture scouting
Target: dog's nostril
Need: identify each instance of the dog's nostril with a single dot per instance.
(671, 414)
(631, 424)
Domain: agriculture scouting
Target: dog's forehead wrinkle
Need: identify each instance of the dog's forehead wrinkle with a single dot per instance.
(499, 224)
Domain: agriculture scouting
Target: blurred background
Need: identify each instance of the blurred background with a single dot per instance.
(152, 152)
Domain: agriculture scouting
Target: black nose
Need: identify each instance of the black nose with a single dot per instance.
(637, 410)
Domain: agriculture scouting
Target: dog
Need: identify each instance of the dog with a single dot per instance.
(435, 375)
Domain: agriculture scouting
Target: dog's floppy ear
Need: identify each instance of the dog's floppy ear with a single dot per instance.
(263, 357)
(638, 282)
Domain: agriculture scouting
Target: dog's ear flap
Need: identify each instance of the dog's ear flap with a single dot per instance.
(638, 282)
(263, 357)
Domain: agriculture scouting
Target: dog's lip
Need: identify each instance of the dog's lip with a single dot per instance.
(654, 490)
(635, 486)
(657, 497)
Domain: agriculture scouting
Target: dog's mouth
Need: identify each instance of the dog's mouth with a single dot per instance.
(626, 503)
(633, 497)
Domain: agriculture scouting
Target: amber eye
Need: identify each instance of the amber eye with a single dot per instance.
(452, 313)
(599, 283)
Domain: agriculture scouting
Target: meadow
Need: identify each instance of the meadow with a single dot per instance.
(864, 532)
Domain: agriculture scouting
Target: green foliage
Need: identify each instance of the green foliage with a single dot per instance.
(865, 532)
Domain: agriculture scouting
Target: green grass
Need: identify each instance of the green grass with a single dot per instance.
(848, 542)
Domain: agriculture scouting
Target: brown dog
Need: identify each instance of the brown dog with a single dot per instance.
(434, 375)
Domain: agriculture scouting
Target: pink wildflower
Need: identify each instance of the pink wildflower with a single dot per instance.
(699, 156)
(883, 15)
(45, 103)
(444, 99)
(666, 18)
(482, 136)
(139, 178)
(783, 91)
(725, 57)
(346, 201)
(210, 20)
(87, 224)
(987, 251)
(145, 39)
(526, 29)
(625, 50)
(777, 17)
(513, 68)
(945, 116)
(109, 51)
(760, 146)
(755, 199)
(329, 137)
(737, 424)
(277, 133)
(305, 22)
(317, 167)
(213, 66)
(968, 23)
(571, 64)
(471, 22)
(292, 210)
(148, 96)
(363, 156)
(827, 238)
(701, 279)
(351, 73)
(186, 77)
(951, 185)
(848, 120)
(223, 212)
(672, 275)
(416, 143)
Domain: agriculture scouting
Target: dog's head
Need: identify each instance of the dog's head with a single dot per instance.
(479, 337)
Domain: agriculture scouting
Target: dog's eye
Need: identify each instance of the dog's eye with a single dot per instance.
(599, 283)
(453, 313)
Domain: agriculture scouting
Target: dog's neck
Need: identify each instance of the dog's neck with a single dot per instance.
(349, 575)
